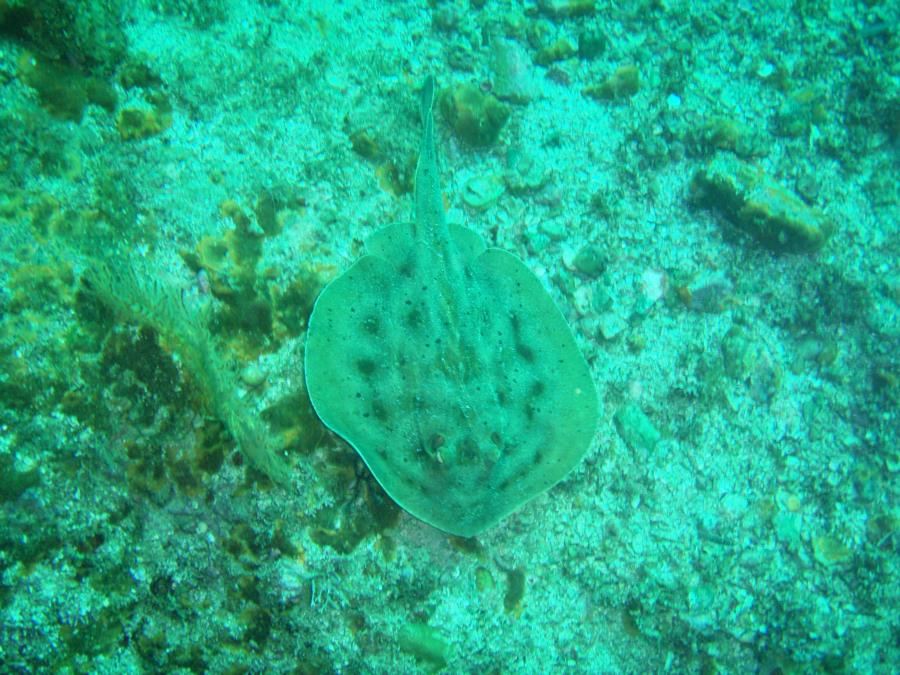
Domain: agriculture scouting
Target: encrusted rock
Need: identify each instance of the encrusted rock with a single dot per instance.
(759, 205)
(474, 116)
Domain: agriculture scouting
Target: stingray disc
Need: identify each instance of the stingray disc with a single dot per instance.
(449, 369)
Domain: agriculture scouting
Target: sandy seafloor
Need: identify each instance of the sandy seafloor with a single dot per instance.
(737, 511)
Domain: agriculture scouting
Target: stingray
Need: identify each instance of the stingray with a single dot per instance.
(448, 367)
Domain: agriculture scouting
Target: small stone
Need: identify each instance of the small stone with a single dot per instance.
(581, 299)
(808, 186)
(765, 70)
(524, 172)
(590, 261)
(480, 192)
(611, 326)
(253, 375)
(654, 283)
(560, 50)
(635, 428)
(601, 299)
(554, 229)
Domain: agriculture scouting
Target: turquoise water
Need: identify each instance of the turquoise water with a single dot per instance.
(708, 194)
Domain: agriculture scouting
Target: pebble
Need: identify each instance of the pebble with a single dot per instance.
(253, 375)
(481, 192)
(611, 325)
(590, 261)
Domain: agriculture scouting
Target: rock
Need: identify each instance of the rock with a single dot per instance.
(611, 326)
(480, 192)
(622, 84)
(554, 229)
(635, 428)
(590, 261)
(513, 72)
(756, 203)
(601, 299)
(474, 116)
(524, 173)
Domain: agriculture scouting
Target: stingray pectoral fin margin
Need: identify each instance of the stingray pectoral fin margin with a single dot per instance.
(392, 242)
(555, 345)
(336, 327)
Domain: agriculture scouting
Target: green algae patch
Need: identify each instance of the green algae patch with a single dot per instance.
(515, 591)
(257, 313)
(365, 145)
(139, 123)
(559, 10)
(137, 74)
(829, 550)
(484, 580)
(63, 91)
(560, 50)
(624, 83)
(293, 421)
(426, 645)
